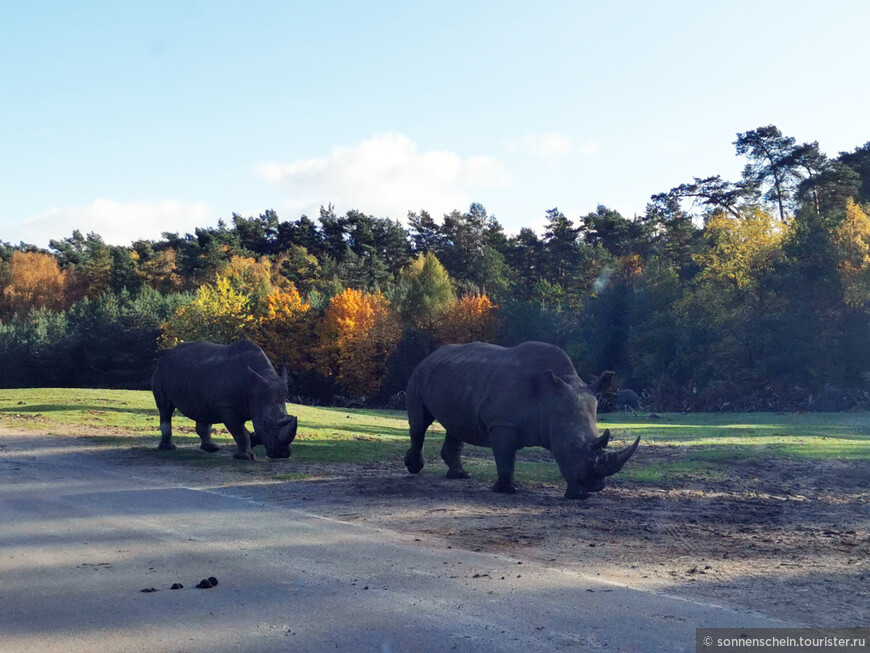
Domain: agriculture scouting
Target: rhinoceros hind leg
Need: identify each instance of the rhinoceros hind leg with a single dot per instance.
(166, 432)
(203, 430)
(419, 420)
(165, 409)
(451, 453)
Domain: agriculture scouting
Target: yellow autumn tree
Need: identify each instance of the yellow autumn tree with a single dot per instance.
(35, 280)
(470, 318)
(742, 251)
(851, 239)
(250, 277)
(358, 334)
(218, 313)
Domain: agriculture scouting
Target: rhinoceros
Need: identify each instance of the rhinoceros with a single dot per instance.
(228, 384)
(507, 399)
(627, 399)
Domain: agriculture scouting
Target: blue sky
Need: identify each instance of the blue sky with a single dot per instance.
(134, 118)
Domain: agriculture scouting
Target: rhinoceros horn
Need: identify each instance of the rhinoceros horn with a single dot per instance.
(288, 435)
(614, 461)
(601, 442)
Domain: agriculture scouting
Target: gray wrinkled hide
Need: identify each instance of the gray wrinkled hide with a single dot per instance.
(507, 399)
(224, 384)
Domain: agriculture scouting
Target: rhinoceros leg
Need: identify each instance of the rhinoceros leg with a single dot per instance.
(203, 430)
(504, 449)
(451, 453)
(243, 440)
(165, 409)
(419, 419)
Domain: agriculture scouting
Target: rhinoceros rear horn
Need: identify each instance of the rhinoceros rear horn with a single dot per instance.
(601, 442)
(615, 460)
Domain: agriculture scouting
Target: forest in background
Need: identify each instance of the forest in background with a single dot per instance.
(751, 294)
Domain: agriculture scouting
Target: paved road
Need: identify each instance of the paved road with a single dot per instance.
(78, 541)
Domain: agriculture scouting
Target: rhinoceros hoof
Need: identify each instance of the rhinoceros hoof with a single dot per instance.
(576, 494)
(414, 463)
(210, 447)
(506, 488)
(245, 456)
(164, 446)
(454, 474)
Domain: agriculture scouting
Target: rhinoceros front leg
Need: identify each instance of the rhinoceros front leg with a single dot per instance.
(451, 453)
(243, 440)
(504, 447)
(203, 430)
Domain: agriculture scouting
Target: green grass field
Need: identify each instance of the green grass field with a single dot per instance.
(700, 446)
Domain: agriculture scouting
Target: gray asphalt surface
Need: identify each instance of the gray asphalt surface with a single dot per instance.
(78, 541)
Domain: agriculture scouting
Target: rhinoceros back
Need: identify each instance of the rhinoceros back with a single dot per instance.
(469, 387)
(206, 381)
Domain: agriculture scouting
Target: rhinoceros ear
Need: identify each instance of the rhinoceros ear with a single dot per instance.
(556, 382)
(255, 379)
(601, 383)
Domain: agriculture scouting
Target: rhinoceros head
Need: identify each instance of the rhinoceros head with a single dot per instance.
(273, 427)
(580, 451)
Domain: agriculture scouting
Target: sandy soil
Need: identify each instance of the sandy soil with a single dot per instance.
(787, 539)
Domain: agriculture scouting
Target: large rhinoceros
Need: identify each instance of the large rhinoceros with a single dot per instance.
(507, 399)
(227, 384)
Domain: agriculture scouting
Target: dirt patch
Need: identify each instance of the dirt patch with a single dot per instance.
(786, 538)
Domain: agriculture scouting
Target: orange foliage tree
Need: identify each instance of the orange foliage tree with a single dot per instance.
(470, 318)
(358, 334)
(285, 331)
(35, 281)
(158, 270)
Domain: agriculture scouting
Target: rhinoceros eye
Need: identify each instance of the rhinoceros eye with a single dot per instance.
(598, 464)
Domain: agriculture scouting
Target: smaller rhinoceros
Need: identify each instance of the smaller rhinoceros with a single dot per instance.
(627, 399)
(224, 384)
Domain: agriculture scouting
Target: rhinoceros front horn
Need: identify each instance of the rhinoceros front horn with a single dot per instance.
(617, 459)
(288, 433)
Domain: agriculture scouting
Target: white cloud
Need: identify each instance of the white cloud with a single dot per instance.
(385, 176)
(119, 223)
(550, 145)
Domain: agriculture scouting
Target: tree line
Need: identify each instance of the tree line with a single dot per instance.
(746, 294)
